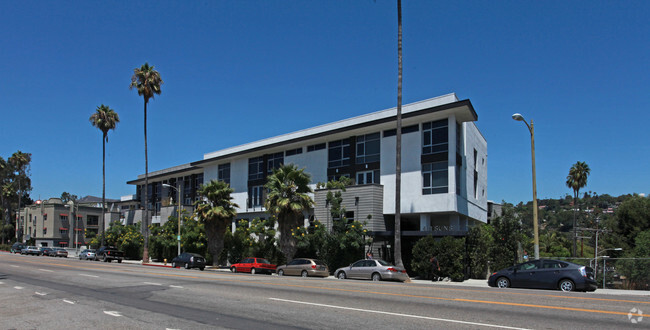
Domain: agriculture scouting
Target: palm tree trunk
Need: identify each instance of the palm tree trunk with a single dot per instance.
(145, 220)
(398, 138)
(575, 233)
(103, 186)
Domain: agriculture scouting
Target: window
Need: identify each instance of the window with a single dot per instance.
(223, 173)
(274, 161)
(475, 174)
(367, 177)
(459, 132)
(368, 148)
(405, 130)
(434, 137)
(44, 217)
(93, 220)
(63, 231)
(529, 265)
(255, 196)
(339, 153)
(256, 168)
(44, 230)
(294, 152)
(63, 217)
(434, 178)
(315, 147)
(336, 177)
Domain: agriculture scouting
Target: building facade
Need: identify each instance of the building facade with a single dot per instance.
(444, 170)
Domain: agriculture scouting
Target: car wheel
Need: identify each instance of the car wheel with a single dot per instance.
(187, 266)
(281, 272)
(376, 277)
(173, 264)
(233, 269)
(201, 268)
(341, 275)
(119, 261)
(567, 285)
(304, 273)
(503, 282)
(253, 271)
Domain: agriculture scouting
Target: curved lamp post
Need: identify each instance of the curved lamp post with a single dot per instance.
(604, 261)
(531, 128)
(178, 238)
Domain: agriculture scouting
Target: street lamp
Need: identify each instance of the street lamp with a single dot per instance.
(531, 129)
(74, 208)
(178, 238)
(604, 261)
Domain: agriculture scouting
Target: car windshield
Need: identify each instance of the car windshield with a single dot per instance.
(319, 262)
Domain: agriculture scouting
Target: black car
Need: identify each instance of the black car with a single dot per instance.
(189, 260)
(17, 247)
(45, 251)
(545, 274)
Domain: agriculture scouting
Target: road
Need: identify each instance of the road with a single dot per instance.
(56, 293)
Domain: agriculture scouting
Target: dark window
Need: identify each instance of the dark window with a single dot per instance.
(93, 220)
(255, 196)
(368, 148)
(339, 153)
(434, 137)
(274, 161)
(368, 177)
(475, 174)
(224, 173)
(255, 168)
(336, 177)
(405, 130)
(434, 178)
(529, 265)
(315, 147)
(294, 152)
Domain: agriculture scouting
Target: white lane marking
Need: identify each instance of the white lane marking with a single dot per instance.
(18, 287)
(2, 282)
(45, 270)
(152, 283)
(40, 293)
(176, 286)
(398, 314)
(68, 301)
(112, 313)
(14, 266)
(88, 275)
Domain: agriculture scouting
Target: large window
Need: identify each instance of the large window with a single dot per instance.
(255, 168)
(274, 161)
(368, 148)
(368, 177)
(255, 196)
(224, 173)
(93, 220)
(339, 153)
(434, 178)
(434, 137)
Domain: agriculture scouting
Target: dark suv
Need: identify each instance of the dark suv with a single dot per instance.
(108, 254)
(17, 247)
(545, 274)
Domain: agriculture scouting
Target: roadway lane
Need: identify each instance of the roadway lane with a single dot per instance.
(63, 293)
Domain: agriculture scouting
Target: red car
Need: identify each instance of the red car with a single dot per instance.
(253, 266)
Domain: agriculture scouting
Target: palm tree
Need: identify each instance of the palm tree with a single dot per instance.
(287, 198)
(398, 140)
(577, 179)
(216, 210)
(147, 81)
(105, 119)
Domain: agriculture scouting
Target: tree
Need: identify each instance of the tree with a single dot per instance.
(105, 119)
(507, 235)
(288, 189)
(216, 211)
(147, 81)
(398, 139)
(576, 180)
(479, 239)
(16, 184)
(637, 271)
(66, 197)
(633, 217)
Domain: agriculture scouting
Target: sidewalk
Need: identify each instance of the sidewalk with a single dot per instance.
(467, 283)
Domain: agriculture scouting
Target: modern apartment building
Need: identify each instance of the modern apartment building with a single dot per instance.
(444, 170)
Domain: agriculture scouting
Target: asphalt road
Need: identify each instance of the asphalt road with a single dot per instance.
(54, 293)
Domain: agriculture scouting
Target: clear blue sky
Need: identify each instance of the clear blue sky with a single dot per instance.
(240, 71)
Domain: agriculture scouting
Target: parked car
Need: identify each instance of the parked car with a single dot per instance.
(58, 252)
(45, 251)
(304, 267)
(31, 250)
(87, 254)
(545, 274)
(108, 254)
(17, 247)
(253, 266)
(372, 269)
(189, 260)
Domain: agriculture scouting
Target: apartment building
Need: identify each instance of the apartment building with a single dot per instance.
(444, 170)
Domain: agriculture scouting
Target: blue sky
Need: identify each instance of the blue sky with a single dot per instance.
(240, 71)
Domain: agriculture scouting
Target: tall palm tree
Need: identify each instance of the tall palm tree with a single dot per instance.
(287, 198)
(105, 119)
(216, 210)
(398, 140)
(577, 179)
(147, 81)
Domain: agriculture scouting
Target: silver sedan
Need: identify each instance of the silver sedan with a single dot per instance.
(87, 254)
(372, 269)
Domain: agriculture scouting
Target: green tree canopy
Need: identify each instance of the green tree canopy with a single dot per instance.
(216, 212)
